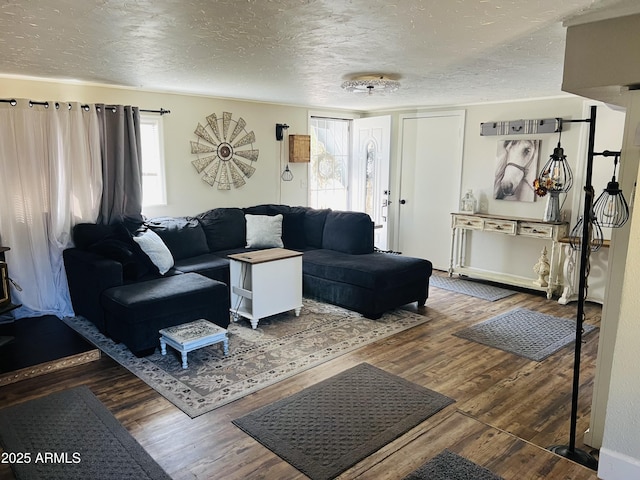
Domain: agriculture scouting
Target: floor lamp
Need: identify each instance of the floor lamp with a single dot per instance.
(620, 211)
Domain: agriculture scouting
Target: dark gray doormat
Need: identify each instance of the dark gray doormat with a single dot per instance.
(451, 466)
(71, 435)
(524, 332)
(471, 288)
(332, 425)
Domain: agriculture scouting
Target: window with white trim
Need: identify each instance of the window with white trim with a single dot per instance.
(153, 178)
(330, 163)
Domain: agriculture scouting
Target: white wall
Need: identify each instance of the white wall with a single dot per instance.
(617, 388)
(187, 193)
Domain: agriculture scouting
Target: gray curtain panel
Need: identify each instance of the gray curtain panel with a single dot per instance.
(121, 163)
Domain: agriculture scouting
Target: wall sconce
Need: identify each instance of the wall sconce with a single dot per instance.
(286, 175)
(280, 127)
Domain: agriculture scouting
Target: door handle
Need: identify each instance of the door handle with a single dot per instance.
(403, 201)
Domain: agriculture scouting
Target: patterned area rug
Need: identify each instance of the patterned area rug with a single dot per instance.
(281, 346)
(332, 425)
(71, 435)
(524, 332)
(471, 288)
(451, 466)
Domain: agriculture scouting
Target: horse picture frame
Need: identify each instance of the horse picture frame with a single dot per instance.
(516, 169)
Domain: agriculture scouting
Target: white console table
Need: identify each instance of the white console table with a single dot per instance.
(504, 225)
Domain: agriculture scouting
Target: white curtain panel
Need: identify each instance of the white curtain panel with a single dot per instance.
(50, 180)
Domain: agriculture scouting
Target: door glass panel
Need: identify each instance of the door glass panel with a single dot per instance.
(370, 178)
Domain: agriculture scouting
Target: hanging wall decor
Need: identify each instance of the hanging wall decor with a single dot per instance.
(225, 151)
(516, 168)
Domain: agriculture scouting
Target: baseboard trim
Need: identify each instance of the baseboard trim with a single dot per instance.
(617, 466)
(48, 367)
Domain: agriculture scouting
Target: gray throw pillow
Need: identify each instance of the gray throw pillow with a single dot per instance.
(156, 250)
(264, 231)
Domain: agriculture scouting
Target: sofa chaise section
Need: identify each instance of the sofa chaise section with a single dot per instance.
(370, 283)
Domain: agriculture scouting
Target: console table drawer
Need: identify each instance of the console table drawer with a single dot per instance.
(469, 223)
(535, 230)
(500, 226)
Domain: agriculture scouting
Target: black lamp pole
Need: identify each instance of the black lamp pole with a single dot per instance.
(570, 451)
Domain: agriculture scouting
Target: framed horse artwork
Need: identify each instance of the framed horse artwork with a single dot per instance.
(516, 169)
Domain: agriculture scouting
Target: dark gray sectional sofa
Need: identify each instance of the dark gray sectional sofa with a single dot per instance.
(115, 285)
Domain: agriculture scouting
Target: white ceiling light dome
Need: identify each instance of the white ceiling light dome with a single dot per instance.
(371, 83)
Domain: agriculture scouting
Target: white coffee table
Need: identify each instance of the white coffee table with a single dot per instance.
(190, 336)
(264, 283)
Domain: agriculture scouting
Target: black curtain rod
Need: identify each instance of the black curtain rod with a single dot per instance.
(14, 102)
(162, 111)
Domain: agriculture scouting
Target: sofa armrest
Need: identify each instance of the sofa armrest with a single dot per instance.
(88, 275)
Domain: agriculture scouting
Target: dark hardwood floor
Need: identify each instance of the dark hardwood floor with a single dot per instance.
(507, 409)
(36, 340)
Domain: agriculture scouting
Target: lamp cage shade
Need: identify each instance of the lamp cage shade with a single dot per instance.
(556, 175)
(287, 175)
(611, 208)
(597, 238)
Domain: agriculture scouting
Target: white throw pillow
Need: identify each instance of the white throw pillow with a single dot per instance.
(264, 231)
(156, 250)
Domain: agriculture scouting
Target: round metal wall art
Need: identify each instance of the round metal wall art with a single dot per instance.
(225, 151)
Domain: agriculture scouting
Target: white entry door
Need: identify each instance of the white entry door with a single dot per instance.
(370, 190)
(431, 170)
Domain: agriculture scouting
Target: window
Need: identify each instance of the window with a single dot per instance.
(330, 160)
(153, 181)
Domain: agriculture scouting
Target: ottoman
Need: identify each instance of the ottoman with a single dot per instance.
(370, 284)
(135, 313)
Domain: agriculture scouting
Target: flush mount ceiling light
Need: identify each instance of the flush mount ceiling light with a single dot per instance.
(370, 84)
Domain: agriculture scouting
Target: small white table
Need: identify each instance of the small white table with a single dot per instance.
(264, 283)
(190, 336)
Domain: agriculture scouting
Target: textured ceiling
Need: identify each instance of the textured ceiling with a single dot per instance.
(298, 51)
